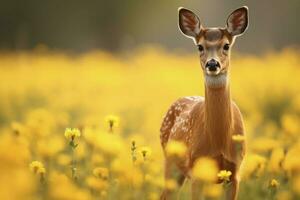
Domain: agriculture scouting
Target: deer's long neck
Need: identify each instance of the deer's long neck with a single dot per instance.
(218, 114)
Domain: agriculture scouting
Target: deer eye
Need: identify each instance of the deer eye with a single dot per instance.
(226, 47)
(200, 48)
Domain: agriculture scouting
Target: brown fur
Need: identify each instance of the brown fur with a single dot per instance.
(206, 125)
(211, 124)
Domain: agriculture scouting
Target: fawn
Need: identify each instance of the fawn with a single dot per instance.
(206, 125)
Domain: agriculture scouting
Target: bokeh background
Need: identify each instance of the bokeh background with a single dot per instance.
(115, 25)
(110, 69)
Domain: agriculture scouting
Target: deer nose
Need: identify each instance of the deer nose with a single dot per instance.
(212, 65)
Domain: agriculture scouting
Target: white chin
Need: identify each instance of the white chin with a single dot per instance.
(216, 79)
(213, 73)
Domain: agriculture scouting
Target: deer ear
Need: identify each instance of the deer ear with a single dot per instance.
(189, 23)
(237, 22)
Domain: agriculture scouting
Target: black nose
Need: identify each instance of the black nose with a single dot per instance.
(212, 65)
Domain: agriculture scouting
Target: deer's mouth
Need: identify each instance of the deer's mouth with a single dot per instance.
(215, 72)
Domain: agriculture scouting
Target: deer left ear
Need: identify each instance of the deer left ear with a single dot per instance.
(237, 22)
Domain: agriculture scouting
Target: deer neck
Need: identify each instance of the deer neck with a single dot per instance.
(218, 113)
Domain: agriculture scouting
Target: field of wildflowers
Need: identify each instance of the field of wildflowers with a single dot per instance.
(87, 126)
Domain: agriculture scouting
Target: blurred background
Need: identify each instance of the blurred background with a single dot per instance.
(116, 25)
(109, 70)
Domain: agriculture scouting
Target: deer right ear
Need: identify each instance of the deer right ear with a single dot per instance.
(189, 23)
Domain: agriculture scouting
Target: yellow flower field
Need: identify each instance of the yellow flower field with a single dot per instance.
(87, 126)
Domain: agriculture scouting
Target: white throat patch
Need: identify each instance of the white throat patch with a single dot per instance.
(216, 81)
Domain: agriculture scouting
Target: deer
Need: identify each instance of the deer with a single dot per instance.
(206, 124)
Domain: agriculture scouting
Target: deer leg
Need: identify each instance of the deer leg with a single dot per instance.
(232, 190)
(172, 173)
(196, 190)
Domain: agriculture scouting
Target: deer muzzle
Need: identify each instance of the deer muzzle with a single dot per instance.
(212, 67)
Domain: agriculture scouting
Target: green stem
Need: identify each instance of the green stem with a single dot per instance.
(73, 162)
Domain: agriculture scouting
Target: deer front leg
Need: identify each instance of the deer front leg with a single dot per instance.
(232, 190)
(196, 190)
(172, 173)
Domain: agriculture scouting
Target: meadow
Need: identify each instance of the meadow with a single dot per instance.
(76, 127)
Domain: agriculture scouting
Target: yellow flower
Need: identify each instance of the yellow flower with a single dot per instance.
(254, 165)
(213, 191)
(97, 184)
(171, 184)
(264, 144)
(112, 120)
(63, 159)
(296, 184)
(290, 124)
(109, 144)
(224, 175)
(276, 160)
(62, 187)
(72, 133)
(145, 151)
(274, 183)
(238, 138)
(103, 194)
(36, 167)
(97, 159)
(176, 148)
(48, 148)
(17, 127)
(291, 162)
(137, 180)
(101, 172)
(205, 169)
(41, 171)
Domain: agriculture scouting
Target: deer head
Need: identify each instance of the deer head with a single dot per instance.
(214, 44)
